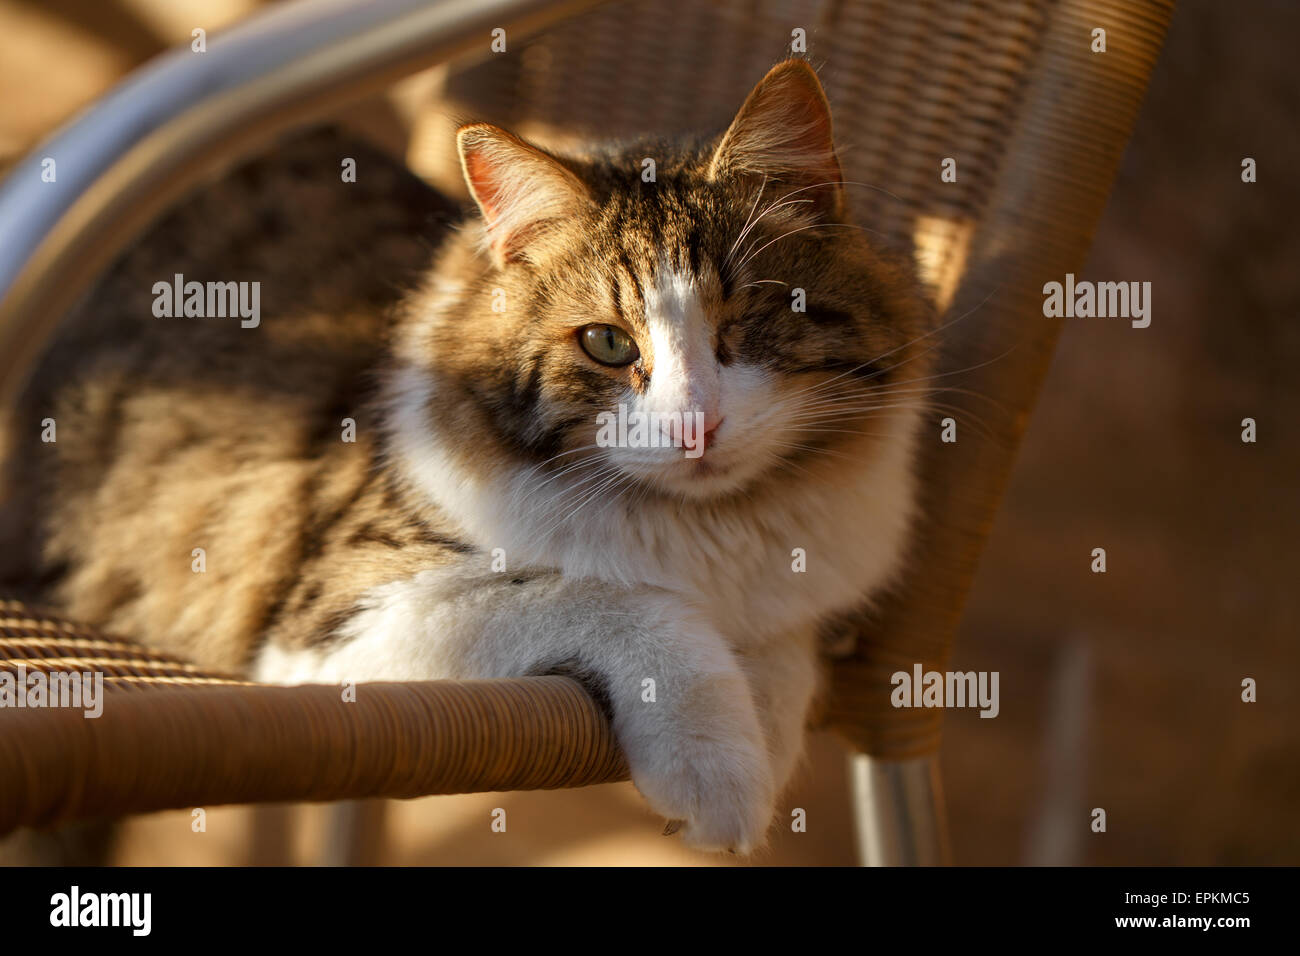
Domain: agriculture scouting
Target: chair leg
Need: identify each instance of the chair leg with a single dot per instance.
(898, 808)
(270, 834)
(355, 833)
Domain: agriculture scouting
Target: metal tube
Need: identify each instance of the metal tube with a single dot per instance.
(186, 114)
(354, 834)
(898, 809)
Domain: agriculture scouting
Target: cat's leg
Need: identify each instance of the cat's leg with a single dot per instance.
(783, 676)
(681, 705)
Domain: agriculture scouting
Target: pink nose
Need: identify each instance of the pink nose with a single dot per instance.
(687, 433)
(711, 426)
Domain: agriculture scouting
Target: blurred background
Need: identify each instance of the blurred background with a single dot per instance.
(1119, 690)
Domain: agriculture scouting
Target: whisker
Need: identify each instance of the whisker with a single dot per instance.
(815, 225)
(763, 282)
(771, 207)
(518, 500)
(759, 195)
(614, 481)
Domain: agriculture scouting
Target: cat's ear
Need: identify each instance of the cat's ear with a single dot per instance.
(783, 134)
(520, 189)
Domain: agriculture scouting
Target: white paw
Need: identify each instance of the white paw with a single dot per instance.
(705, 769)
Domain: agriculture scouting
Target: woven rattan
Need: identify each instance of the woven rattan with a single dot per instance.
(171, 735)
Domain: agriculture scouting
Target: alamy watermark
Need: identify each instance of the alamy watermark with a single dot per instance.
(208, 300)
(633, 429)
(946, 689)
(1128, 300)
(130, 910)
(78, 690)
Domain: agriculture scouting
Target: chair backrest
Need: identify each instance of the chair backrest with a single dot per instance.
(1035, 113)
(911, 83)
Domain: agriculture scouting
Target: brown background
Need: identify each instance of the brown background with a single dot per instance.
(1119, 691)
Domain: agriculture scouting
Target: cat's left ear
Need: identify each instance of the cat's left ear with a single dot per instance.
(783, 133)
(521, 190)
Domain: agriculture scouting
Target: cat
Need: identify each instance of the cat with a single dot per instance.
(397, 474)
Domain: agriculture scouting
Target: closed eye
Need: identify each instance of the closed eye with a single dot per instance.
(862, 370)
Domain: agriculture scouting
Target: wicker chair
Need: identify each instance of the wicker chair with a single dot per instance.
(1013, 91)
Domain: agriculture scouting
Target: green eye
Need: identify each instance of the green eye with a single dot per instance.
(608, 345)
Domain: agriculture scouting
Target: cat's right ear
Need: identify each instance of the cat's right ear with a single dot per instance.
(520, 189)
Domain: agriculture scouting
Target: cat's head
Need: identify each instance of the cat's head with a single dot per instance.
(689, 326)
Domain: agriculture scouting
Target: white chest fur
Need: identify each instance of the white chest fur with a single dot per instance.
(768, 563)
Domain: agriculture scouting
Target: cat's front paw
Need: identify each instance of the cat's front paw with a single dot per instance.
(707, 772)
